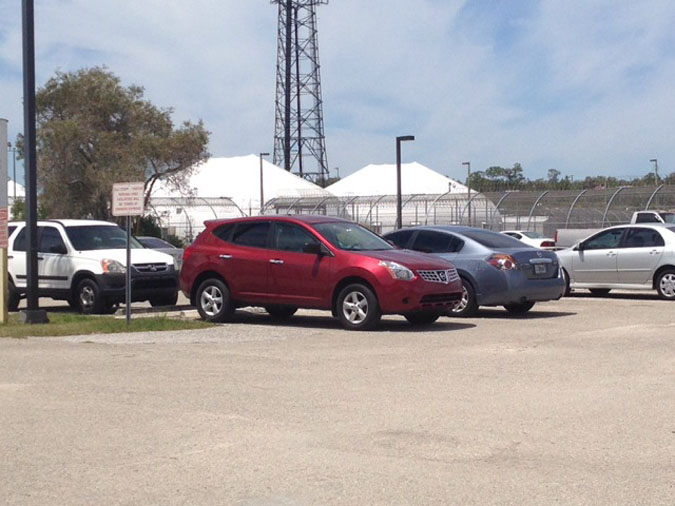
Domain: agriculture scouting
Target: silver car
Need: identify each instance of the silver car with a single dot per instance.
(496, 270)
(627, 257)
(165, 247)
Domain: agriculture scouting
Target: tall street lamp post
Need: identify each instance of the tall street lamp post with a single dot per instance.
(262, 194)
(468, 188)
(399, 204)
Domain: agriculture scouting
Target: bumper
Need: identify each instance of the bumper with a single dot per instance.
(143, 286)
(400, 297)
(515, 287)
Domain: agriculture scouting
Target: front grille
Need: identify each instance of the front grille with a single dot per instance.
(439, 276)
(145, 284)
(441, 298)
(151, 267)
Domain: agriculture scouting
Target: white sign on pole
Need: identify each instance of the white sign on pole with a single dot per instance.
(127, 199)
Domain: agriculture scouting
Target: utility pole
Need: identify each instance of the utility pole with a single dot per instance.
(468, 188)
(656, 170)
(262, 193)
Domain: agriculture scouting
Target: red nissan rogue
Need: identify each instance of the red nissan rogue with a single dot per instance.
(285, 262)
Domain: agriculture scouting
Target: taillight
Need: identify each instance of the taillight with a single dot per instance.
(547, 244)
(502, 262)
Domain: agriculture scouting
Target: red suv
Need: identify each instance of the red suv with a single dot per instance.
(286, 262)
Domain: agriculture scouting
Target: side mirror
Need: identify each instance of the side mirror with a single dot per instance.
(313, 248)
(578, 247)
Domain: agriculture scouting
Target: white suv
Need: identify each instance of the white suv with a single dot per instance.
(83, 262)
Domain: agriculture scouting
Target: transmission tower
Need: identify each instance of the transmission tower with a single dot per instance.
(299, 140)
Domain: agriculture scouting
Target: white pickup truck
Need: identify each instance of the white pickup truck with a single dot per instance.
(653, 217)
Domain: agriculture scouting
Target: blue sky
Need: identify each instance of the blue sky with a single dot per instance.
(583, 87)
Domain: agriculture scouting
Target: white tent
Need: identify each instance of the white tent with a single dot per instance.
(20, 192)
(381, 180)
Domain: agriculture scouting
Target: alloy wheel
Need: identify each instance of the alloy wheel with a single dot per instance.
(211, 300)
(667, 285)
(355, 307)
(461, 305)
(87, 297)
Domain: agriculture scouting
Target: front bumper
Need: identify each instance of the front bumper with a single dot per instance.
(400, 297)
(144, 286)
(514, 287)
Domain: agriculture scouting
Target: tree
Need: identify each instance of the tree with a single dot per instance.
(93, 132)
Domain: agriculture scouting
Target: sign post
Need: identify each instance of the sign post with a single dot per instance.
(127, 200)
(4, 216)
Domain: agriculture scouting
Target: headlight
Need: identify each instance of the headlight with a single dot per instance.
(397, 270)
(110, 266)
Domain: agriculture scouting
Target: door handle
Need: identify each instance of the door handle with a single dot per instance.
(276, 262)
(40, 258)
(611, 254)
(10, 257)
(225, 257)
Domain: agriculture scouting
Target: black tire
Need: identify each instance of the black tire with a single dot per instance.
(422, 317)
(599, 291)
(110, 307)
(164, 300)
(88, 297)
(468, 305)
(213, 301)
(357, 307)
(665, 284)
(279, 312)
(566, 277)
(519, 307)
(13, 299)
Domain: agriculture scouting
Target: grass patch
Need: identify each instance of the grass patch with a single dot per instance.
(76, 324)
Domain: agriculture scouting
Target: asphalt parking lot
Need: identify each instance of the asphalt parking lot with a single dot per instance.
(572, 404)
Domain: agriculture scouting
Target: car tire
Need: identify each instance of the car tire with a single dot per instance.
(13, 299)
(164, 300)
(665, 284)
(357, 307)
(88, 296)
(467, 306)
(279, 312)
(519, 307)
(422, 317)
(599, 291)
(566, 277)
(213, 301)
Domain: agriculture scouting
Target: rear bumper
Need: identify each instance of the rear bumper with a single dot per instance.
(400, 297)
(143, 286)
(515, 287)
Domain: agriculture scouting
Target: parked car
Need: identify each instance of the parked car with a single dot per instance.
(83, 262)
(495, 269)
(628, 257)
(653, 217)
(532, 238)
(165, 247)
(283, 263)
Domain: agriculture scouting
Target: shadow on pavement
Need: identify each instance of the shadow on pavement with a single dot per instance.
(530, 315)
(583, 294)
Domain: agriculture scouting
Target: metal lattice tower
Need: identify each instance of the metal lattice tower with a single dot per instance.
(299, 140)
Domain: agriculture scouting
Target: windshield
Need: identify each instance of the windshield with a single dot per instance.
(154, 242)
(533, 235)
(351, 237)
(92, 237)
(668, 217)
(493, 239)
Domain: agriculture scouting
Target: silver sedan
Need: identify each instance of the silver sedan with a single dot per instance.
(626, 257)
(496, 270)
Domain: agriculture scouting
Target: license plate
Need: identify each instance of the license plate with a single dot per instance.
(539, 269)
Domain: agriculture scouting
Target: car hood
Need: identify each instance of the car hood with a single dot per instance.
(410, 259)
(138, 255)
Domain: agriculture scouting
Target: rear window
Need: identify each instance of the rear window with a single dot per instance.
(493, 239)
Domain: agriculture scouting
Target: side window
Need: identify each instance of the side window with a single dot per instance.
(289, 237)
(433, 242)
(252, 234)
(646, 218)
(50, 241)
(401, 238)
(513, 234)
(20, 241)
(643, 238)
(10, 230)
(605, 240)
(224, 232)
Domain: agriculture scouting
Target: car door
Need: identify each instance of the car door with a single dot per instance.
(245, 260)
(299, 277)
(595, 261)
(639, 255)
(54, 263)
(16, 258)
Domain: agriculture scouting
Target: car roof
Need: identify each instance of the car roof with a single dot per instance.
(296, 218)
(69, 223)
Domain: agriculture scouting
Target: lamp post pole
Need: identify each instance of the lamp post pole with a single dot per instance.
(262, 193)
(399, 202)
(468, 188)
(656, 170)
